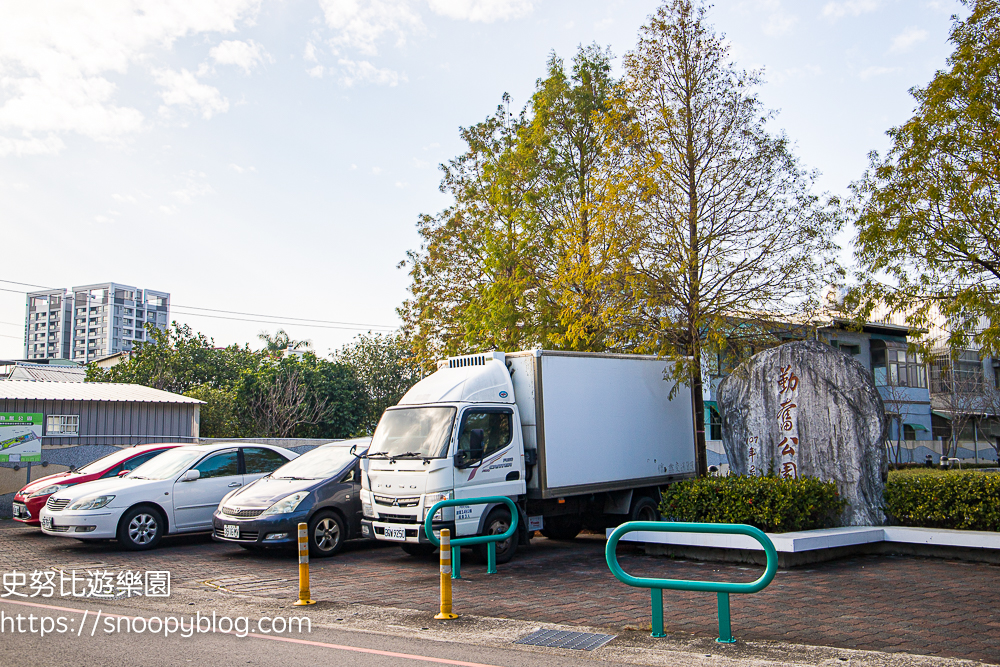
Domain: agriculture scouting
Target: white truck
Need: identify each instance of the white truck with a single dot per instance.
(574, 439)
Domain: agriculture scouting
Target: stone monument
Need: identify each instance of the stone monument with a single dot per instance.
(806, 409)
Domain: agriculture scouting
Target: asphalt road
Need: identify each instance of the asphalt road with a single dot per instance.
(92, 645)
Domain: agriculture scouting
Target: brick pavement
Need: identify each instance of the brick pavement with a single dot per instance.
(883, 603)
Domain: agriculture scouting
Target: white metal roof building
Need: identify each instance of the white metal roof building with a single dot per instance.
(86, 413)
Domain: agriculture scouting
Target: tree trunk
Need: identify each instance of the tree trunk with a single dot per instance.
(700, 447)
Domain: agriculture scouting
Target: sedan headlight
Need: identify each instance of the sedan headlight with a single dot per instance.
(287, 504)
(49, 490)
(93, 503)
(430, 499)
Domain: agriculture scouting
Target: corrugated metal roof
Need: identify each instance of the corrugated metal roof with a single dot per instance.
(40, 373)
(87, 391)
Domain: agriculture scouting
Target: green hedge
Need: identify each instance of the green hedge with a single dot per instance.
(954, 499)
(770, 503)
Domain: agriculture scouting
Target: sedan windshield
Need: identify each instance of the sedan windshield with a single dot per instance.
(319, 463)
(413, 431)
(105, 462)
(168, 464)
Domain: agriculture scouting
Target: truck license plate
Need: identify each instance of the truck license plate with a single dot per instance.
(47, 522)
(395, 533)
(232, 532)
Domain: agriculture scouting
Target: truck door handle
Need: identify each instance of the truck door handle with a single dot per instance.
(235, 484)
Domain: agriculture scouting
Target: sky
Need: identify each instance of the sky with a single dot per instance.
(271, 157)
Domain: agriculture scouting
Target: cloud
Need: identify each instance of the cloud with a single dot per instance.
(50, 145)
(194, 186)
(309, 53)
(246, 55)
(129, 199)
(183, 89)
(362, 23)
(779, 24)
(836, 10)
(239, 170)
(316, 72)
(56, 63)
(874, 71)
(484, 11)
(352, 72)
(905, 40)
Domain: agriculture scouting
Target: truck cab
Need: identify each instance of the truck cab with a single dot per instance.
(455, 434)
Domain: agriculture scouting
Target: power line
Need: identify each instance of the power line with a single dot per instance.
(280, 317)
(297, 324)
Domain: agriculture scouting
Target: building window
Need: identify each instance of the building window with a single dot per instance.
(898, 367)
(964, 374)
(62, 425)
(714, 424)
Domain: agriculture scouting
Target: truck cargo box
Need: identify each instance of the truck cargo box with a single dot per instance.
(601, 422)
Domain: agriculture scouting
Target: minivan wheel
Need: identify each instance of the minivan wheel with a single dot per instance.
(326, 534)
(141, 528)
(498, 522)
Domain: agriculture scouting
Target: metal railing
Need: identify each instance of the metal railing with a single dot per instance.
(723, 589)
(458, 542)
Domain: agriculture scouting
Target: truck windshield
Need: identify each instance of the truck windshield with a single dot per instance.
(423, 431)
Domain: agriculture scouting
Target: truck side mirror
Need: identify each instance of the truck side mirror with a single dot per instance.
(466, 458)
(476, 437)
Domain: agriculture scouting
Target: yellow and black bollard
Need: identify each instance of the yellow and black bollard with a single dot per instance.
(445, 612)
(304, 598)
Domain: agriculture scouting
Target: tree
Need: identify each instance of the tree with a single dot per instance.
(521, 258)
(565, 134)
(277, 344)
(304, 397)
(219, 416)
(719, 220)
(177, 360)
(896, 400)
(928, 241)
(385, 367)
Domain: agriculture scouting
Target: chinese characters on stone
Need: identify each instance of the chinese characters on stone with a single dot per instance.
(788, 423)
(101, 584)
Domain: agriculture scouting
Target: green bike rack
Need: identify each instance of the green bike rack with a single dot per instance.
(458, 542)
(723, 589)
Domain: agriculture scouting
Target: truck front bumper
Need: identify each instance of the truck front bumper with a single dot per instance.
(414, 531)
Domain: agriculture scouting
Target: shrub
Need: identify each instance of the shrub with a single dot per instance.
(952, 499)
(770, 503)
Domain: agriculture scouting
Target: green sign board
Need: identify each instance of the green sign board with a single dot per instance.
(20, 437)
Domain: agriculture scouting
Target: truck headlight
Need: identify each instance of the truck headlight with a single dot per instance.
(430, 499)
(92, 503)
(367, 510)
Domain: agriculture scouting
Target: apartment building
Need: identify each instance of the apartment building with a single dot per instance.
(91, 321)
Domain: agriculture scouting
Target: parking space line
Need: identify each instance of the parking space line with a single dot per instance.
(338, 647)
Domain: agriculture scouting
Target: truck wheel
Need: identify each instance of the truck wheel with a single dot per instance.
(562, 527)
(421, 551)
(496, 523)
(645, 509)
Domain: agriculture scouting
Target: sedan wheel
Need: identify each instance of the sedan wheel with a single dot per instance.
(140, 529)
(326, 535)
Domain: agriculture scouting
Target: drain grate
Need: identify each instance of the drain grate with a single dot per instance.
(581, 641)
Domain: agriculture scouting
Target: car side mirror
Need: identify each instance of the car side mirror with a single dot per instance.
(190, 475)
(124, 472)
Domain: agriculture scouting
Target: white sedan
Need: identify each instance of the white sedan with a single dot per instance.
(176, 492)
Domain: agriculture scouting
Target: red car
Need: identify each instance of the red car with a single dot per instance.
(28, 502)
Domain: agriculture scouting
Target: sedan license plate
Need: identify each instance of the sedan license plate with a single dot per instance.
(20, 511)
(231, 532)
(47, 522)
(395, 533)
